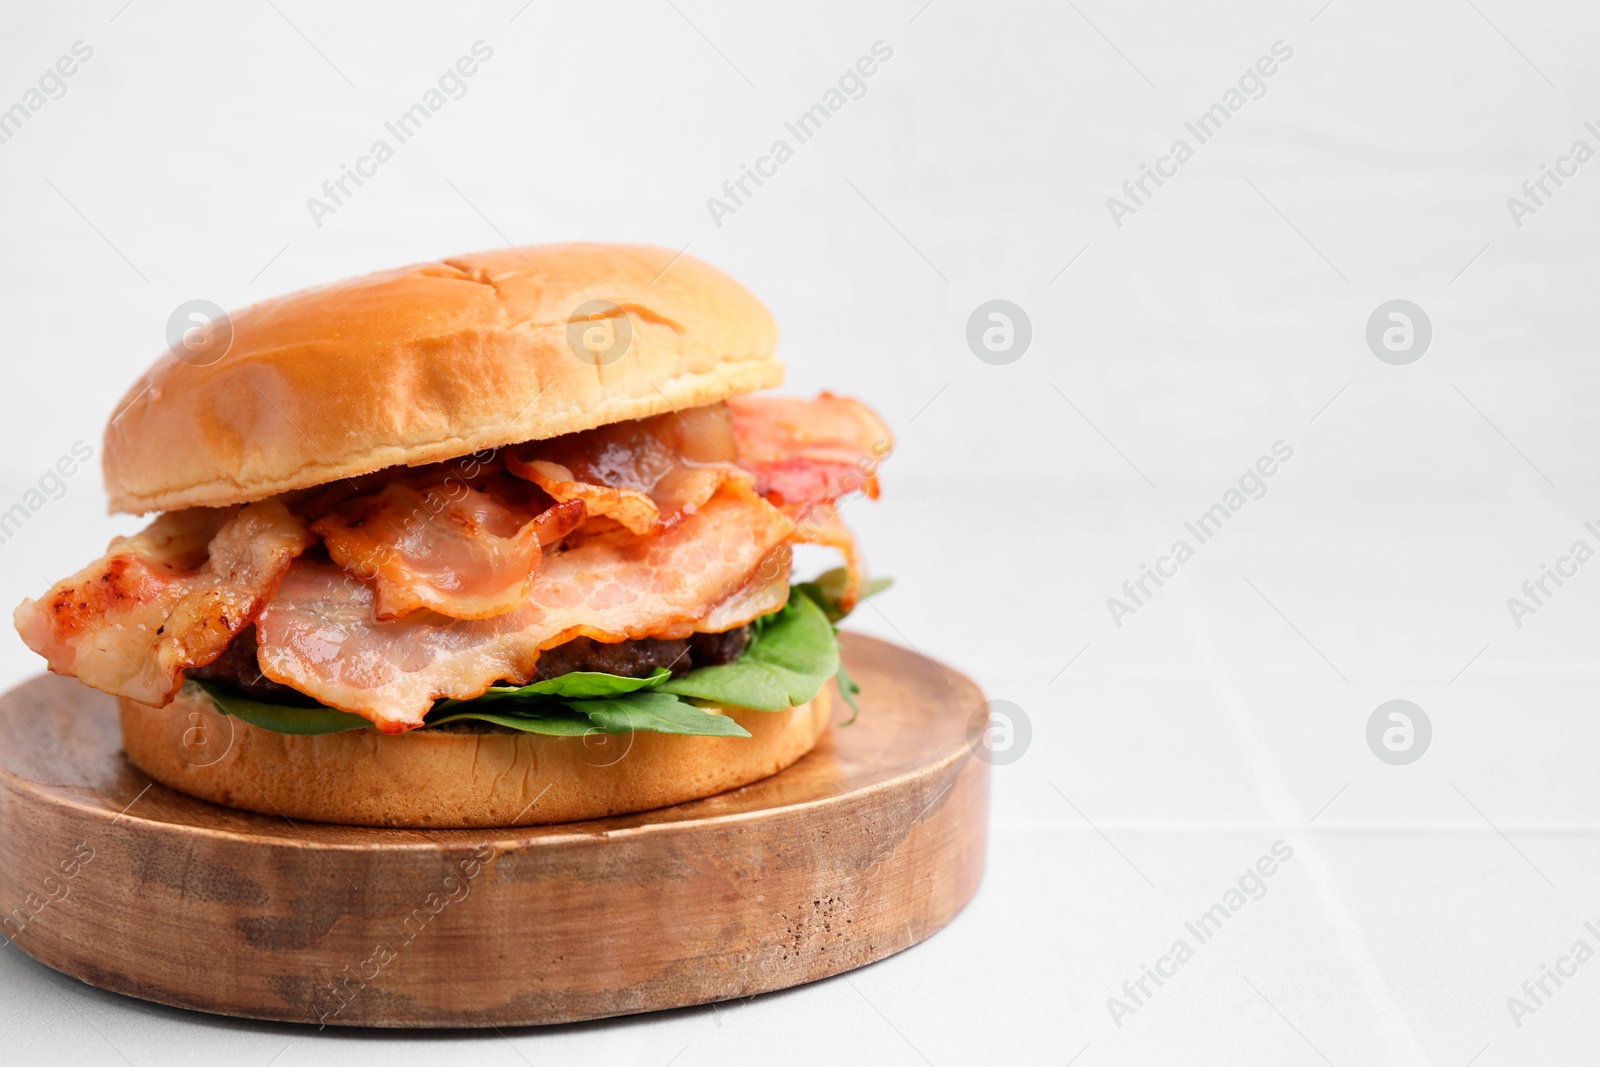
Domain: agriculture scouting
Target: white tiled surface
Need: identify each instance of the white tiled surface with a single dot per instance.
(1221, 318)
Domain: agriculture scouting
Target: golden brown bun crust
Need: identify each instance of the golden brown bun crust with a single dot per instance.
(449, 779)
(429, 362)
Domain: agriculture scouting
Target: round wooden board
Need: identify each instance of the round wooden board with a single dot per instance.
(866, 846)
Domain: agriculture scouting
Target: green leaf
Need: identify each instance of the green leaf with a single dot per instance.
(829, 588)
(785, 665)
(555, 722)
(281, 718)
(579, 684)
(848, 689)
(618, 714)
(660, 712)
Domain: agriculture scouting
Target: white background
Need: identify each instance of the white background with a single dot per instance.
(1227, 314)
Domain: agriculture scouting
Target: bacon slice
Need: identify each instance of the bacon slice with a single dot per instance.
(764, 591)
(447, 547)
(823, 526)
(318, 633)
(802, 454)
(806, 453)
(647, 474)
(630, 507)
(166, 599)
(465, 579)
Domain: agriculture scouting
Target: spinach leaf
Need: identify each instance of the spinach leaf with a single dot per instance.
(579, 684)
(661, 712)
(828, 589)
(848, 689)
(555, 722)
(785, 665)
(280, 718)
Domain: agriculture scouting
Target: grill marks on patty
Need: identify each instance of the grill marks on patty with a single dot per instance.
(237, 666)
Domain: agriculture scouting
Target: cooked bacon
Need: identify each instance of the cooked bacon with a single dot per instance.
(464, 572)
(803, 455)
(165, 599)
(630, 507)
(823, 526)
(318, 633)
(764, 591)
(647, 474)
(445, 546)
(806, 453)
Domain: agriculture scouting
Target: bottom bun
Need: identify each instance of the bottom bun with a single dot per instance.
(453, 777)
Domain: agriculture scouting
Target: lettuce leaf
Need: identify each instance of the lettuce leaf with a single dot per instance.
(607, 715)
(786, 664)
(661, 712)
(849, 690)
(280, 718)
(829, 588)
(554, 722)
(577, 684)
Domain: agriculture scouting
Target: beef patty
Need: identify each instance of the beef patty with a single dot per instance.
(237, 666)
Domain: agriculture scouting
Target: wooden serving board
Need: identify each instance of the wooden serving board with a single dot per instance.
(866, 846)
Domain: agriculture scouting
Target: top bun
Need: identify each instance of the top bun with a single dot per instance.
(433, 361)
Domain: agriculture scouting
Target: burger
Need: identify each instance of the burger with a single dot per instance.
(497, 540)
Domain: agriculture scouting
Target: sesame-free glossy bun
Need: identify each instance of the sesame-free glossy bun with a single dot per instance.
(453, 777)
(433, 361)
